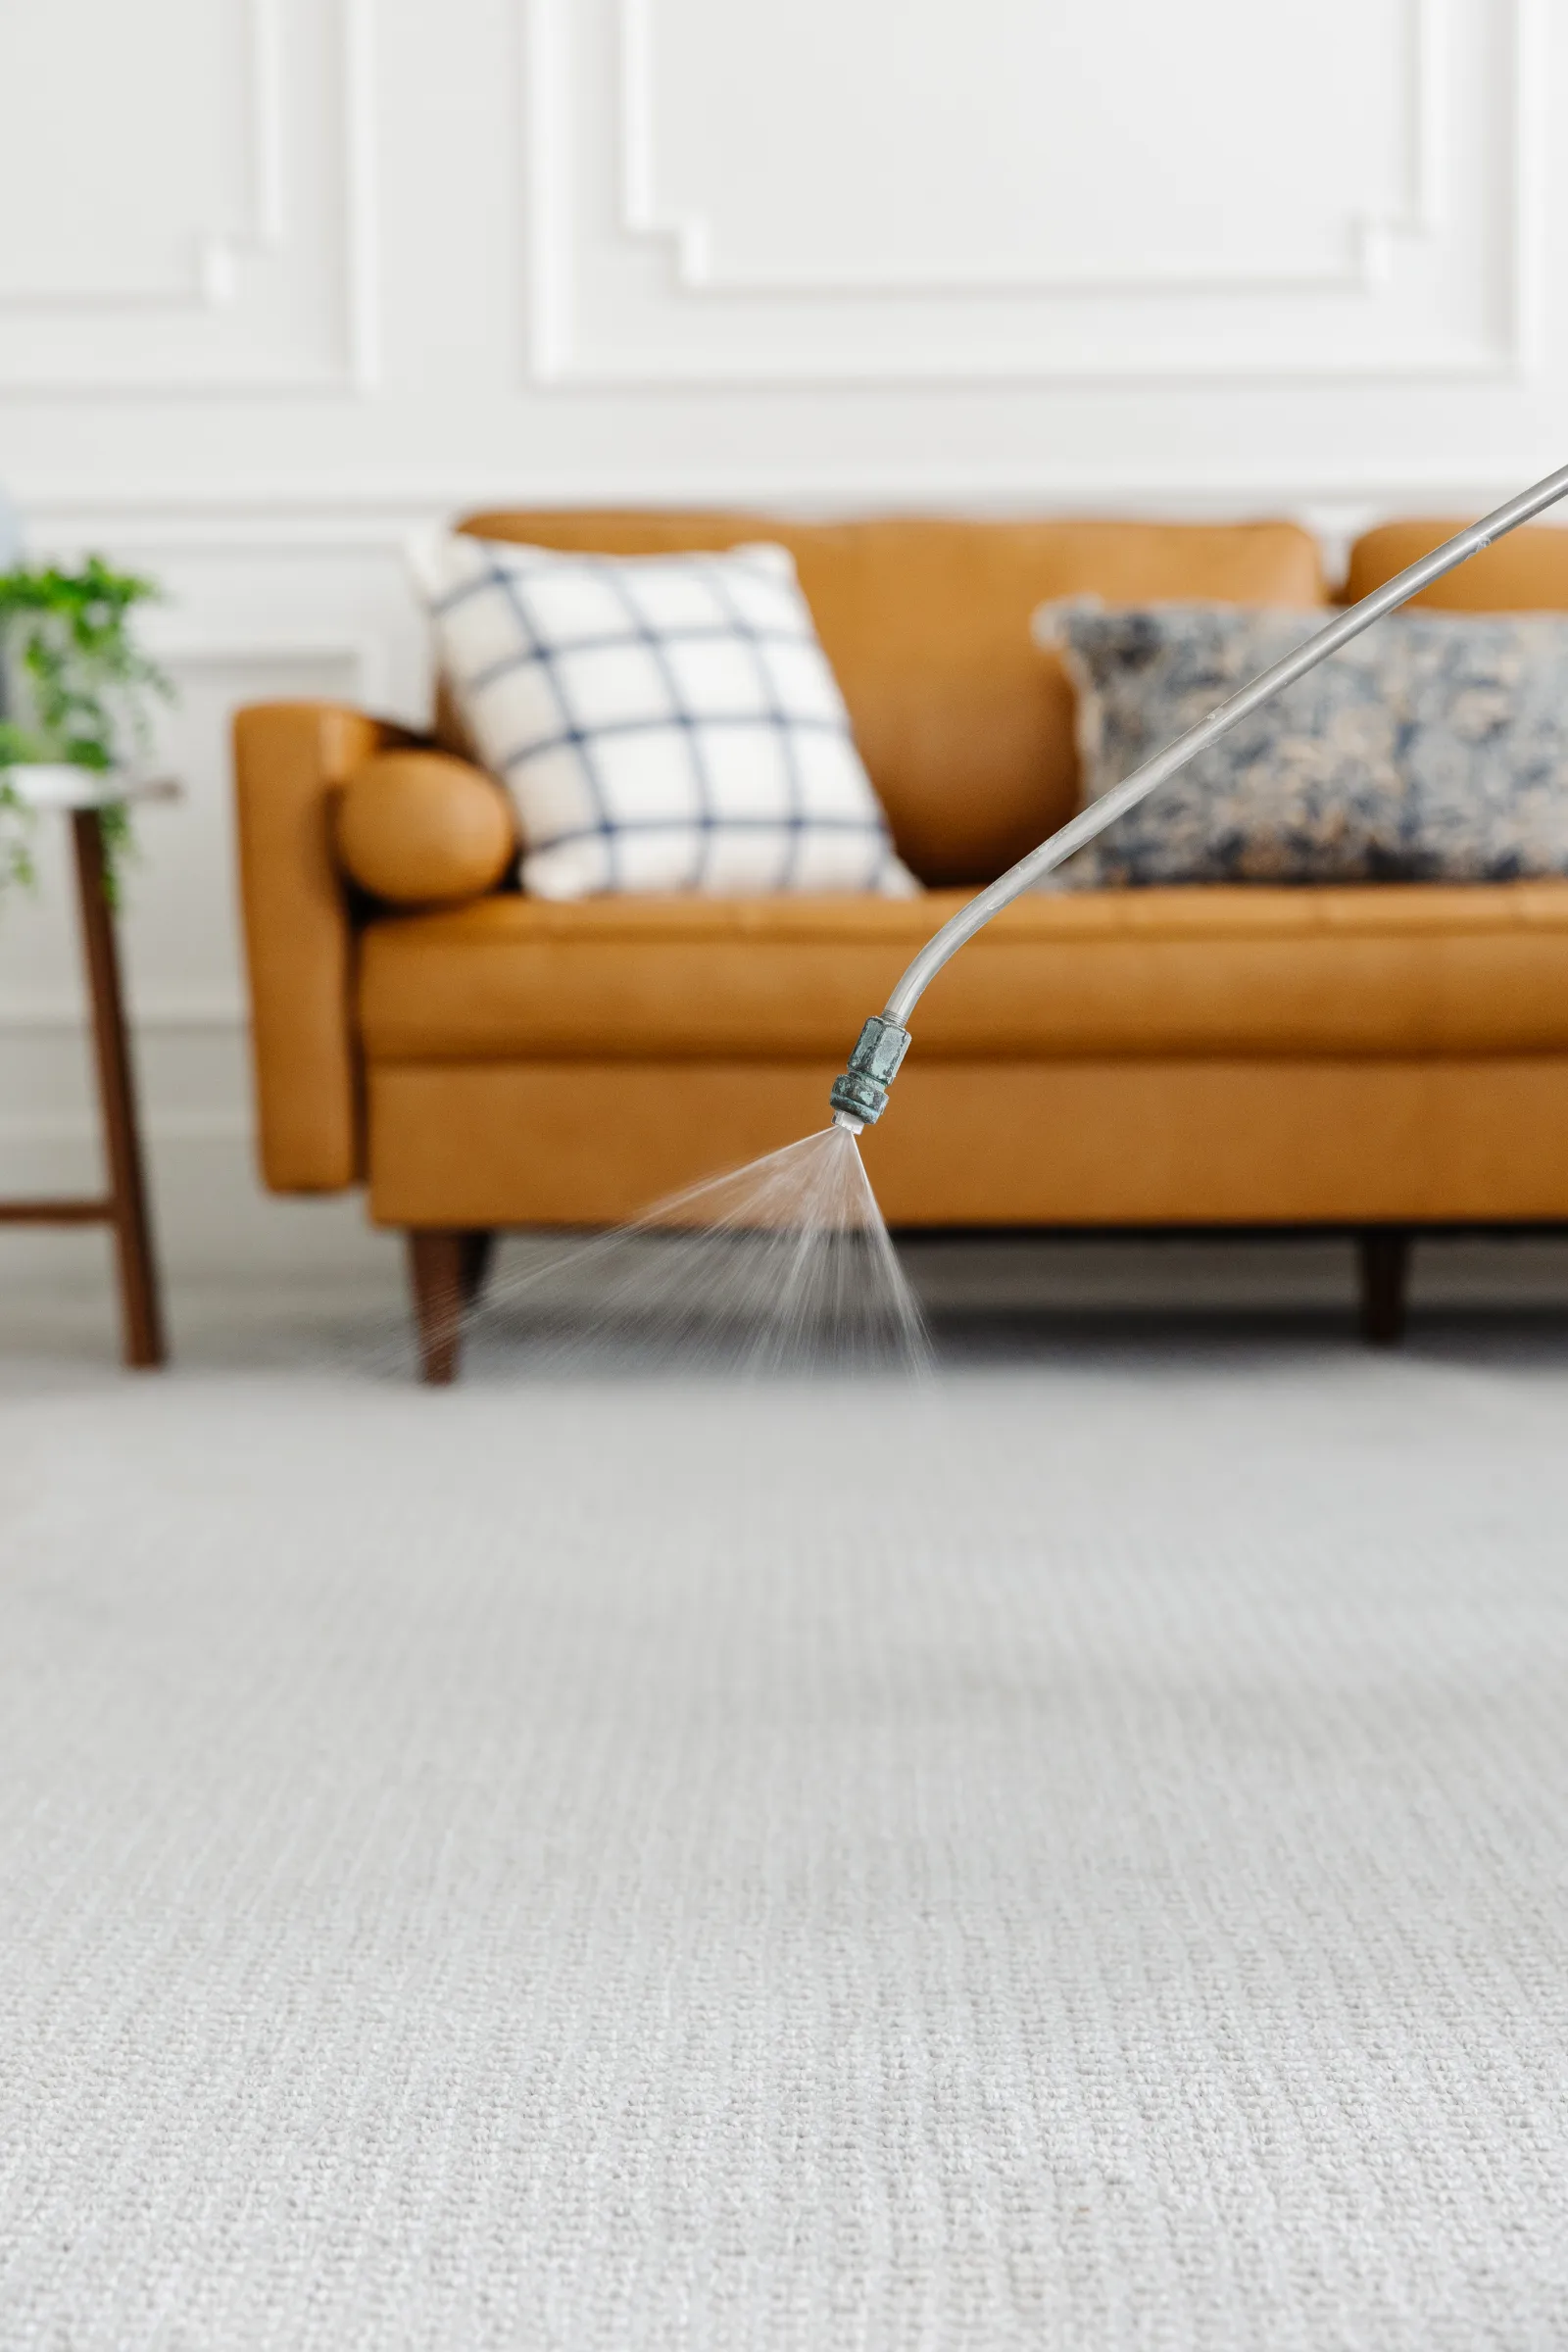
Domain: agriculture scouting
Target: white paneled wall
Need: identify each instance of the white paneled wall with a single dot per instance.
(316, 271)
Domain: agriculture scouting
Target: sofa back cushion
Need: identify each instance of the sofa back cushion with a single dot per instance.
(1526, 573)
(965, 726)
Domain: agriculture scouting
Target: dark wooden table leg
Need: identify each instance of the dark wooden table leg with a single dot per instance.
(141, 1313)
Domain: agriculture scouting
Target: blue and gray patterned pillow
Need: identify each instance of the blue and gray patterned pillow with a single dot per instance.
(1433, 749)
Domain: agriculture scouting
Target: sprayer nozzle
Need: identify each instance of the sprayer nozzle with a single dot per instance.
(861, 1092)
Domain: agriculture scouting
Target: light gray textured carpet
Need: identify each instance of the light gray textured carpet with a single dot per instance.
(1077, 1860)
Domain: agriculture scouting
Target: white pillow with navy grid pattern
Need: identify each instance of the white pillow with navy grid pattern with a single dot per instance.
(662, 722)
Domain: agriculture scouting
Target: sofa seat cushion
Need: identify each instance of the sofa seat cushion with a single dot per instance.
(1397, 970)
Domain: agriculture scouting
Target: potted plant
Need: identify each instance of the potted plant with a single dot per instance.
(76, 688)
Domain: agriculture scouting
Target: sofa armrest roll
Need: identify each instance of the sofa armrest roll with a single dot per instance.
(290, 760)
(422, 829)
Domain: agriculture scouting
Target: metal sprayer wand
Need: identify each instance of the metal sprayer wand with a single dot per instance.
(861, 1096)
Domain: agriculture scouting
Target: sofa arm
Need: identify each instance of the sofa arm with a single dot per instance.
(289, 760)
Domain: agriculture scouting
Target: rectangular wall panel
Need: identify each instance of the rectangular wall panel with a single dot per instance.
(1123, 192)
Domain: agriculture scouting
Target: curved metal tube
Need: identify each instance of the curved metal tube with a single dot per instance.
(1093, 822)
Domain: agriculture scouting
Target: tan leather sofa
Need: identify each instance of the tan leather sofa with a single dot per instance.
(1375, 1058)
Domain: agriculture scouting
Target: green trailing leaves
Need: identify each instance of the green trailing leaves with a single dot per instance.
(16, 827)
(80, 688)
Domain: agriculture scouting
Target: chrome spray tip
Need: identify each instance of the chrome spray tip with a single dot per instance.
(860, 1094)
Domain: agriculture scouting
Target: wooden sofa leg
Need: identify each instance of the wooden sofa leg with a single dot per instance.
(436, 1277)
(1384, 1253)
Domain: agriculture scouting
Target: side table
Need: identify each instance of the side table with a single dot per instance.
(80, 794)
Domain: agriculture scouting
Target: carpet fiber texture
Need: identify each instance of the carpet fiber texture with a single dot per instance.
(1075, 1858)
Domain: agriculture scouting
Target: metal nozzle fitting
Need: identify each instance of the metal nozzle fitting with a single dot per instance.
(862, 1090)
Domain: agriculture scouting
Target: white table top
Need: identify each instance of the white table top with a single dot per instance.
(57, 784)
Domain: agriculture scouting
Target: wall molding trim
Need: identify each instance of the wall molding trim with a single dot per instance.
(361, 653)
(694, 275)
(1368, 238)
(159, 1126)
(236, 519)
(215, 255)
(158, 1011)
(219, 257)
